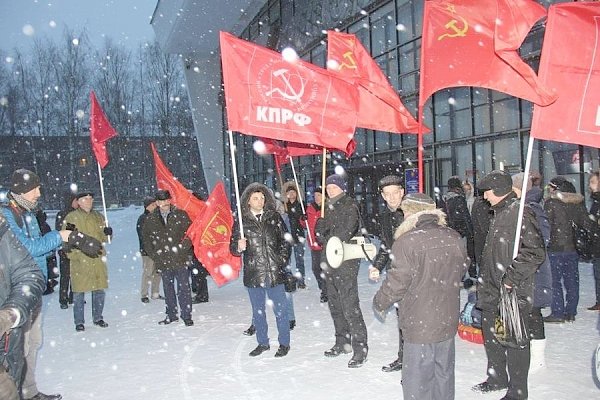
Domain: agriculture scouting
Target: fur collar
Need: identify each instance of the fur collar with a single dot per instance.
(413, 221)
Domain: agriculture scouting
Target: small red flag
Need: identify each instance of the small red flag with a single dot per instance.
(271, 97)
(380, 107)
(100, 131)
(475, 43)
(570, 65)
(211, 233)
(180, 196)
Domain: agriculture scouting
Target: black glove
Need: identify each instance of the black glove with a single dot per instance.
(108, 231)
(90, 246)
(70, 227)
(303, 217)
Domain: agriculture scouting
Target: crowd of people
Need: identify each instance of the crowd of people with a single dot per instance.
(430, 249)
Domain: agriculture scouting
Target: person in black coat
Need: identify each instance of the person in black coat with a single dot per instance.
(265, 253)
(20, 292)
(459, 217)
(296, 217)
(507, 367)
(342, 220)
(164, 239)
(65, 295)
(564, 207)
(51, 264)
(594, 186)
(149, 274)
(389, 219)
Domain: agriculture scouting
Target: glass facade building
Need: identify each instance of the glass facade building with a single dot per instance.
(474, 130)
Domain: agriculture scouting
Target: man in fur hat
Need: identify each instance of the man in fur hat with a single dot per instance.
(429, 260)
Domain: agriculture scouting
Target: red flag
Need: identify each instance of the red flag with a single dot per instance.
(180, 196)
(380, 107)
(270, 97)
(100, 131)
(211, 233)
(475, 43)
(570, 65)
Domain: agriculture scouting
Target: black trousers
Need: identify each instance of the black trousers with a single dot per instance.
(536, 324)
(344, 306)
(199, 283)
(506, 366)
(65, 295)
(317, 271)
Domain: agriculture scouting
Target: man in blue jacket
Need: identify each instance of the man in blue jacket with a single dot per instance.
(20, 216)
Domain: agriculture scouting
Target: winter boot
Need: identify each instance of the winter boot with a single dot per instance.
(538, 359)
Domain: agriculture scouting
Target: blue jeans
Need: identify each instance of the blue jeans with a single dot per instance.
(259, 317)
(299, 257)
(184, 293)
(290, 306)
(565, 270)
(98, 297)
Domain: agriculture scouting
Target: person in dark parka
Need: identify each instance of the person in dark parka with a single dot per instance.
(429, 261)
(342, 220)
(507, 367)
(594, 187)
(21, 287)
(564, 207)
(265, 253)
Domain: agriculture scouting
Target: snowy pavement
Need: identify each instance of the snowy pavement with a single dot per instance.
(135, 358)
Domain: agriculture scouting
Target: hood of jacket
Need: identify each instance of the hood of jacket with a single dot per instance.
(415, 220)
(566, 197)
(270, 204)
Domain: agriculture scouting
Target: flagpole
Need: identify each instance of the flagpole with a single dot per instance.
(323, 171)
(523, 193)
(300, 196)
(420, 149)
(102, 194)
(235, 183)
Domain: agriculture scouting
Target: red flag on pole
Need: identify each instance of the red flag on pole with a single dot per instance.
(570, 65)
(380, 108)
(475, 43)
(180, 196)
(269, 96)
(211, 233)
(100, 131)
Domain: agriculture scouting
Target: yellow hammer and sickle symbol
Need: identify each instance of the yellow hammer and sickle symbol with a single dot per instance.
(458, 31)
(349, 55)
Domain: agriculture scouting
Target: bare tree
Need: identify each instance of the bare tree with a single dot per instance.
(114, 85)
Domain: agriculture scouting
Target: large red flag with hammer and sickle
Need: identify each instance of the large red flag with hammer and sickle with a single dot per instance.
(570, 65)
(210, 234)
(285, 99)
(475, 43)
(379, 108)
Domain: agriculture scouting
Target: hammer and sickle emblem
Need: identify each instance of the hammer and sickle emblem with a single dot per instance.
(289, 92)
(349, 55)
(457, 30)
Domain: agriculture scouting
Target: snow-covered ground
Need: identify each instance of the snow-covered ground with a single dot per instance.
(135, 358)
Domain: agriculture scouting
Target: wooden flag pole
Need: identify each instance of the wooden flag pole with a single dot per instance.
(300, 196)
(103, 199)
(235, 183)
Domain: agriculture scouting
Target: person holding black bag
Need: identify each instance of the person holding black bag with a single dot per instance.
(507, 367)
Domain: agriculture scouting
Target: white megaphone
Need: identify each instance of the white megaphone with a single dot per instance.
(337, 251)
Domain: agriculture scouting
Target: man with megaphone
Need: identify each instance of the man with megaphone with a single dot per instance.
(342, 222)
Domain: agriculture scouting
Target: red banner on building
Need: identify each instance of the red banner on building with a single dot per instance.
(100, 131)
(570, 66)
(475, 43)
(181, 197)
(380, 108)
(211, 233)
(293, 100)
